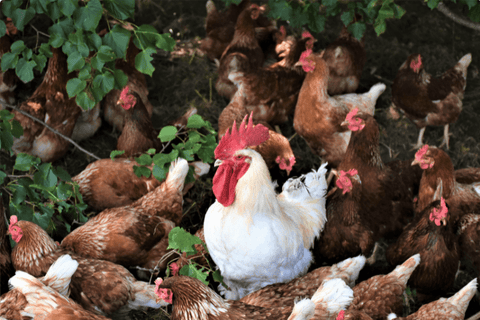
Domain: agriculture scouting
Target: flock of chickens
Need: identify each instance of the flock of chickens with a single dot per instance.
(292, 255)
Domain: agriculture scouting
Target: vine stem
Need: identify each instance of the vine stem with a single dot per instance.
(458, 19)
(51, 129)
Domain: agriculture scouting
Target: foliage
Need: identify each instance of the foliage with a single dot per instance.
(314, 13)
(182, 241)
(193, 142)
(74, 29)
(41, 190)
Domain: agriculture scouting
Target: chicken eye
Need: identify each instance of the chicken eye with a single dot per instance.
(239, 157)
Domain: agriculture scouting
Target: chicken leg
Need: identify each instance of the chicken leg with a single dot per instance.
(420, 139)
(446, 137)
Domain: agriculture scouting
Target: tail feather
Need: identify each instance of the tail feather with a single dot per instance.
(463, 64)
(405, 270)
(177, 173)
(310, 185)
(201, 168)
(463, 297)
(392, 316)
(60, 274)
(332, 296)
(349, 269)
(303, 310)
(376, 91)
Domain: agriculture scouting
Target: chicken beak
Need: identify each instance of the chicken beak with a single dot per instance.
(288, 172)
(414, 162)
(344, 123)
(298, 64)
(444, 221)
(217, 163)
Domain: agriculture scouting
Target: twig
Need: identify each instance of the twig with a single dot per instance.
(51, 129)
(458, 19)
(14, 176)
(475, 316)
(293, 136)
(383, 79)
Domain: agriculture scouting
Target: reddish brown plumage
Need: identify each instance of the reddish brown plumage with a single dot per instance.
(138, 134)
(355, 315)
(49, 103)
(345, 58)
(438, 248)
(114, 114)
(13, 303)
(461, 198)
(136, 234)
(97, 285)
(318, 115)
(244, 43)
(374, 208)
(192, 300)
(429, 101)
(469, 239)
(383, 294)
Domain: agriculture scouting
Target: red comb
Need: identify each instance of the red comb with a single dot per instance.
(421, 152)
(416, 65)
(436, 215)
(13, 220)
(341, 315)
(283, 31)
(246, 136)
(306, 34)
(354, 123)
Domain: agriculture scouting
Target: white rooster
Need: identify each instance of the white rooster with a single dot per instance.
(255, 236)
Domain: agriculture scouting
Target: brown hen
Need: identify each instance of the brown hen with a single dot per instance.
(99, 286)
(429, 101)
(469, 239)
(51, 104)
(136, 234)
(318, 115)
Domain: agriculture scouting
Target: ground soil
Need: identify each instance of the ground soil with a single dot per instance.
(185, 78)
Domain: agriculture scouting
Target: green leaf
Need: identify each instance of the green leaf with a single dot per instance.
(190, 271)
(88, 17)
(84, 101)
(94, 40)
(142, 171)
(104, 82)
(9, 6)
(474, 14)
(196, 122)
(17, 129)
(115, 153)
(17, 46)
(279, 10)
(40, 6)
(67, 7)
(151, 151)
(43, 220)
(471, 3)
(432, 4)
(40, 60)
(105, 54)
(357, 29)
(21, 17)
(399, 11)
(24, 69)
(167, 133)
(316, 22)
(347, 17)
(97, 63)
(19, 193)
(9, 60)
(62, 174)
(121, 9)
(118, 39)
(24, 162)
(121, 79)
(84, 74)
(3, 28)
(64, 191)
(165, 42)
(380, 27)
(142, 61)
(53, 11)
(160, 173)
(3, 175)
(182, 240)
(75, 61)
(45, 50)
(160, 159)
(75, 86)
(144, 160)
(44, 176)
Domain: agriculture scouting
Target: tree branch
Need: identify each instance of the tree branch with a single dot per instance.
(458, 19)
(51, 129)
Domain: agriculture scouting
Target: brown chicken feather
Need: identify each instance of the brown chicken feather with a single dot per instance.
(429, 101)
(113, 113)
(6, 268)
(345, 58)
(244, 43)
(99, 286)
(318, 115)
(461, 198)
(51, 104)
(383, 294)
(469, 239)
(136, 234)
(452, 308)
(437, 246)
